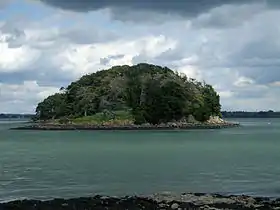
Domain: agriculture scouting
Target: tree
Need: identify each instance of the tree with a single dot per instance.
(211, 100)
(52, 107)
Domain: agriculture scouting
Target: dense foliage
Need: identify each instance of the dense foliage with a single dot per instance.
(152, 94)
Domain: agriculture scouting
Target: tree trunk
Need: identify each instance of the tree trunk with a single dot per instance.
(85, 113)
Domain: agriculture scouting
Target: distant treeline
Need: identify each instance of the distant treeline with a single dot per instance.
(243, 114)
(16, 116)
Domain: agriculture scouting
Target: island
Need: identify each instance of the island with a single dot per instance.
(142, 96)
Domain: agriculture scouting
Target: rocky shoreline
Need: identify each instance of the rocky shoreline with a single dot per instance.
(167, 201)
(212, 123)
(41, 126)
(189, 124)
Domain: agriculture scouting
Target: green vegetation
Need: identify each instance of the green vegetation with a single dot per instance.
(113, 118)
(137, 94)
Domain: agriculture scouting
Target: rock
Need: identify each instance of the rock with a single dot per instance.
(172, 124)
(175, 206)
(162, 205)
(215, 120)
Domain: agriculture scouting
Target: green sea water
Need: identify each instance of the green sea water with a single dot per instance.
(47, 164)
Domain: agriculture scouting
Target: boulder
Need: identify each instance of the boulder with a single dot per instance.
(215, 120)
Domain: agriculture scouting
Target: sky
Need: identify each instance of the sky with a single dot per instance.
(233, 45)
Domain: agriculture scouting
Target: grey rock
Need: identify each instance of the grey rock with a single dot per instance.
(175, 206)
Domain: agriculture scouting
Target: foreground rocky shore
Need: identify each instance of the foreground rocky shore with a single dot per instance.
(188, 201)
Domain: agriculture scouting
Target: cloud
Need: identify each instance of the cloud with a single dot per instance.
(186, 8)
(243, 82)
(234, 46)
(15, 59)
(55, 55)
(228, 15)
(105, 61)
(42, 52)
(22, 98)
(83, 59)
(275, 84)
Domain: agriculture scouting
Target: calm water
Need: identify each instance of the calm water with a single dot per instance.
(48, 164)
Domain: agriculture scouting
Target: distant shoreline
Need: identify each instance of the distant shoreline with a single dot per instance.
(190, 201)
(174, 126)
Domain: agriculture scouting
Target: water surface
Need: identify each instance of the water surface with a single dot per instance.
(48, 164)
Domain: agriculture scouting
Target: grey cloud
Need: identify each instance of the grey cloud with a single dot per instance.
(251, 50)
(14, 78)
(259, 59)
(22, 97)
(106, 61)
(15, 35)
(228, 15)
(263, 75)
(41, 71)
(224, 54)
(171, 55)
(251, 91)
(144, 16)
(11, 29)
(187, 8)
(144, 58)
(75, 34)
(44, 77)
(92, 35)
(141, 58)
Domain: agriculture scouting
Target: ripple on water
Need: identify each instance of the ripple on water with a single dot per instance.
(50, 164)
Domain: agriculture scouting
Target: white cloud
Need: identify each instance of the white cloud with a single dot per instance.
(23, 97)
(243, 81)
(226, 94)
(16, 59)
(186, 66)
(81, 59)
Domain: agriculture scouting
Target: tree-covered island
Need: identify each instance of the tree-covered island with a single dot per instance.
(139, 96)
